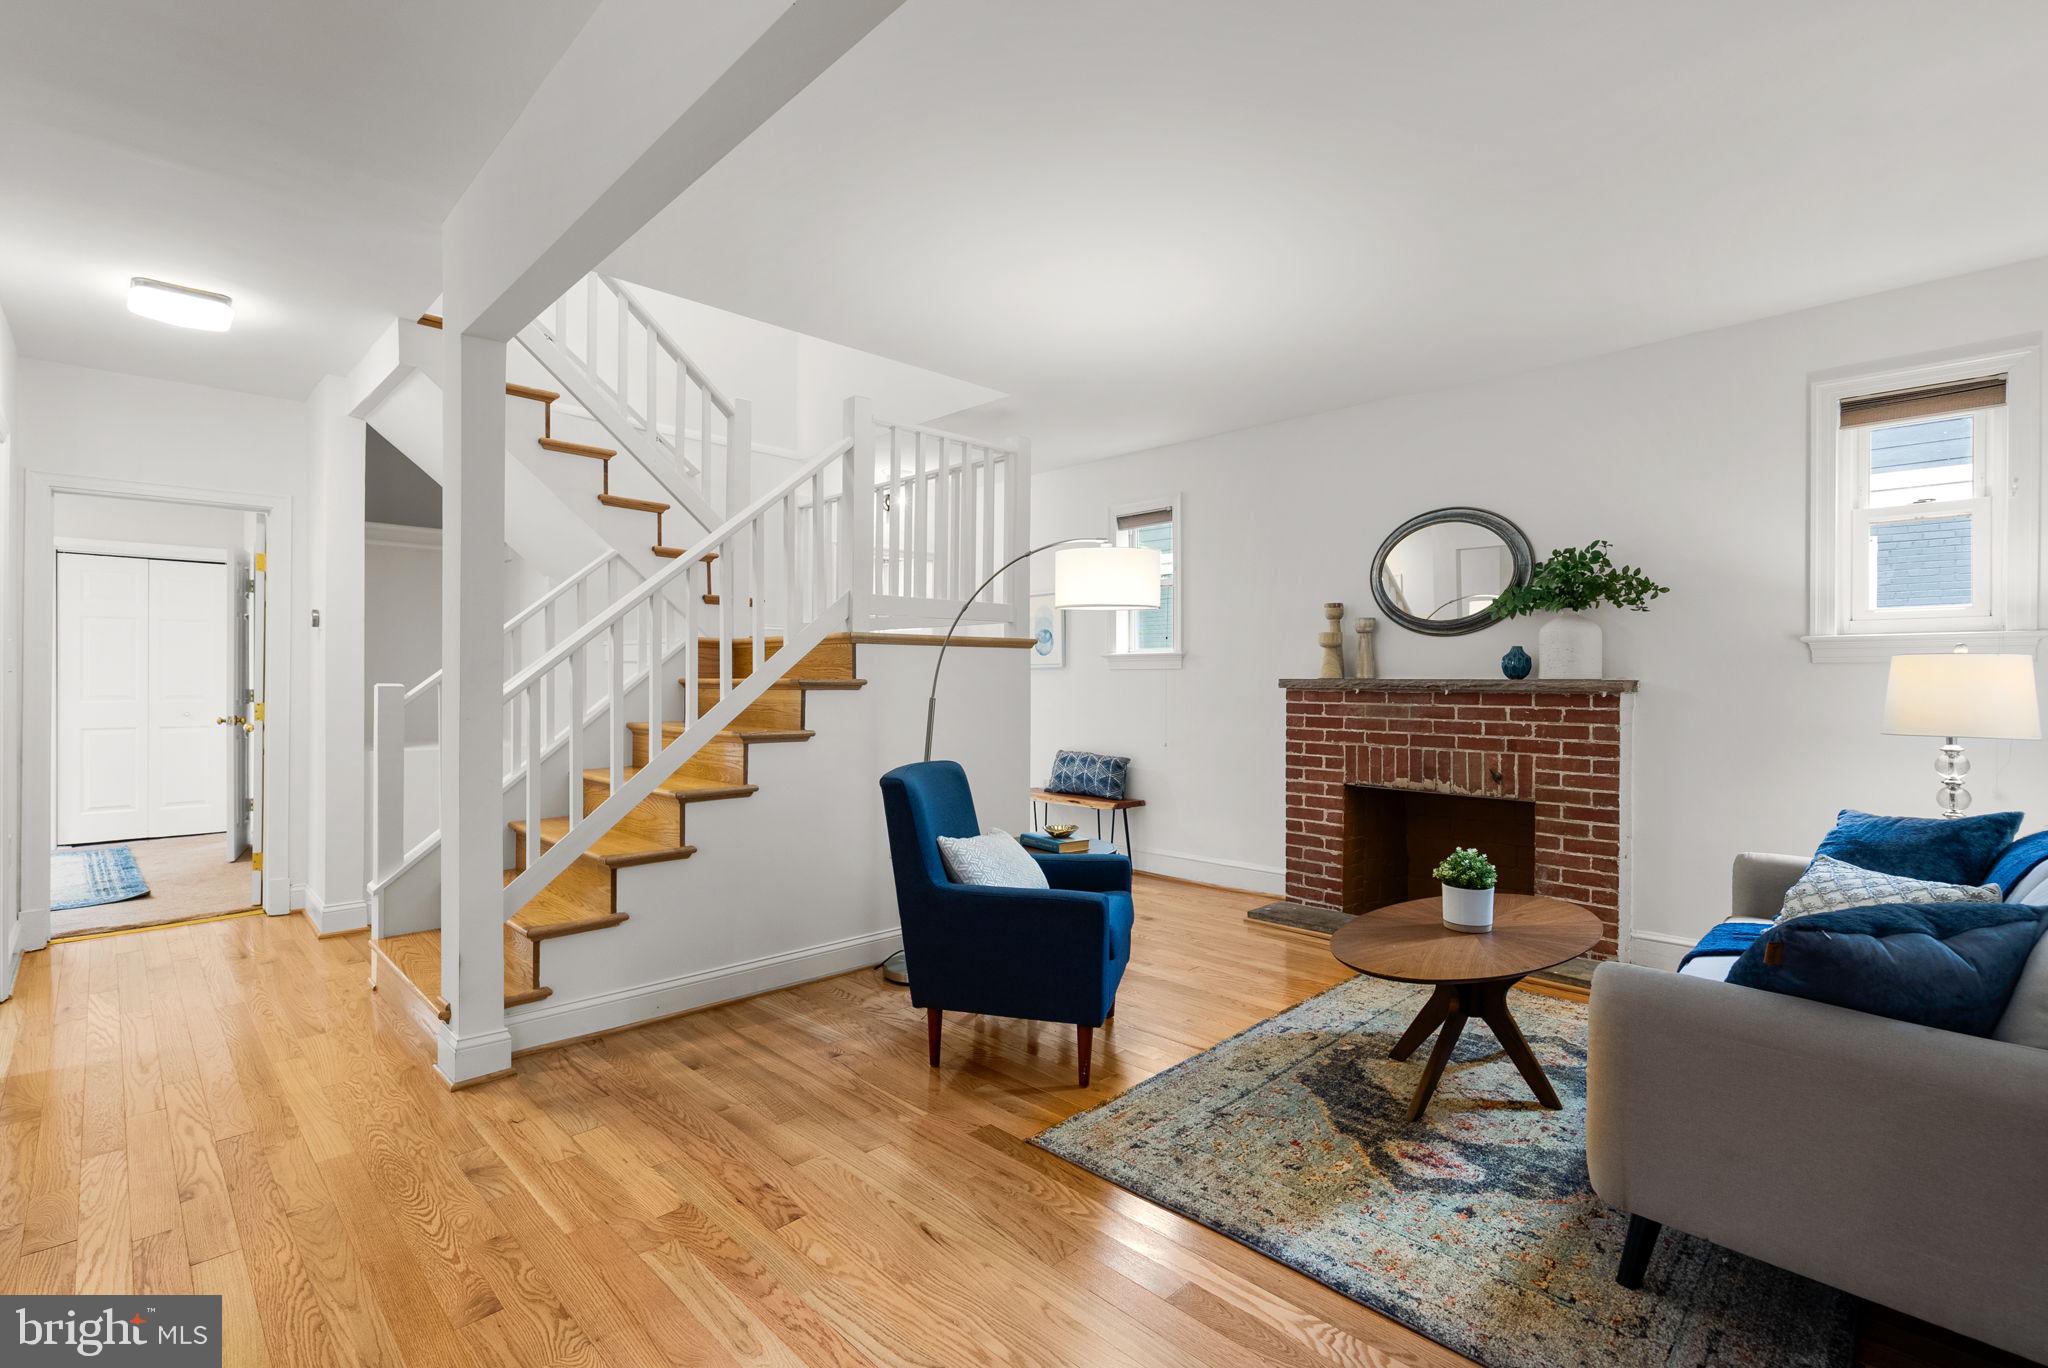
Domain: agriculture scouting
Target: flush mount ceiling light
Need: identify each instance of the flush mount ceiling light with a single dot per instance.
(180, 305)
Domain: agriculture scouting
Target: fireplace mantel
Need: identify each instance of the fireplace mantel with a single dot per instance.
(1499, 686)
(1556, 748)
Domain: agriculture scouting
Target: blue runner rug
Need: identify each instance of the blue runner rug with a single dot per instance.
(94, 875)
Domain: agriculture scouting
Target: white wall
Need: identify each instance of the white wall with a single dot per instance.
(742, 916)
(147, 521)
(10, 668)
(1691, 456)
(75, 421)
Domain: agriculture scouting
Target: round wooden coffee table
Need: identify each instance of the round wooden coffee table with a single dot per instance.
(1472, 972)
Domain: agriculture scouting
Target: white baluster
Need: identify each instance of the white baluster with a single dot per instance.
(691, 709)
(535, 721)
(901, 577)
(593, 292)
(655, 624)
(615, 703)
(817, 530)
(653, 394)
(620, 362)
(577, 660)
(792, 609)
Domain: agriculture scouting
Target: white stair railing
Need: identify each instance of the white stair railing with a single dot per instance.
(791, 529)
(529, 634)
(614, 357)
(945, 512)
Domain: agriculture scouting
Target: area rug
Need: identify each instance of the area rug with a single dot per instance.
(89, 876)
(1476, 1226)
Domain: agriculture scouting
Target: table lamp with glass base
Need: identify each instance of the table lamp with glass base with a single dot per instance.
(1957, 695)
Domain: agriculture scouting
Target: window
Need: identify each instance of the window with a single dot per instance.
(1151, 636)
(1920, 536)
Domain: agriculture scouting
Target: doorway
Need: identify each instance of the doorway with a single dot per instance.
(159, 709)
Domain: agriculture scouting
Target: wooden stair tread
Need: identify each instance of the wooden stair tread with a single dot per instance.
(640, 505)
(596, 453)
(538, 395)
(417, 957)
(617, 848)
(549, 914)
(710, 686)
(682, 786)
(429, 320)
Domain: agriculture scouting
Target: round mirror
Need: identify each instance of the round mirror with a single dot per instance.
(1438, 572)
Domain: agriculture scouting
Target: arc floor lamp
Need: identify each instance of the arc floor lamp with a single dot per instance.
(1089, 575)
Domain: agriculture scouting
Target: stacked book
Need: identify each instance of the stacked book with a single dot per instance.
(1053, 845)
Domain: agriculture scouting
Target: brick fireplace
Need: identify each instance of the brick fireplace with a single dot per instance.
(1385, 775)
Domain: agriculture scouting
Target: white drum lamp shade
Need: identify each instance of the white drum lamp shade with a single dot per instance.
(1987, 696)
(1102, 577)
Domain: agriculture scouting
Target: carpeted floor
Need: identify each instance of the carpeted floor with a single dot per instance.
(188, 876)
(1475, 1226)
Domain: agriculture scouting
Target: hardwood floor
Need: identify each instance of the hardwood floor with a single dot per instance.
(224, 1108)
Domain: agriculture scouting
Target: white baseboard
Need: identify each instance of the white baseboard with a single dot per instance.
(549, 1022)
(1657, 949)
(32, 931)
(331, 919)
(7, 973)
(470, 1059)
(1253, 878)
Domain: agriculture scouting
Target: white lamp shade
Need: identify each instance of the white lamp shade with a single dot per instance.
(1987, 696)
(1105, 577)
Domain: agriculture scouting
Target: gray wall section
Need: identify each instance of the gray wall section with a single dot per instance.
(396, 490)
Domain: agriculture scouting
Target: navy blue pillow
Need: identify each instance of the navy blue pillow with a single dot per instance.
(2017, 861)
(1085, 772)
(1947, 965)
(1945, 849)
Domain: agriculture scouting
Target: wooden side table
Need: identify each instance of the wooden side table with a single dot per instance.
(1047, 797)
(1471, 973)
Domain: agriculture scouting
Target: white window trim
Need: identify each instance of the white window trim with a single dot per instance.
(2010, 618)
(1154, 660)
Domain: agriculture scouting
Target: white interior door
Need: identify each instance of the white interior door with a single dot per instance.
(188, 788)
(102, 698)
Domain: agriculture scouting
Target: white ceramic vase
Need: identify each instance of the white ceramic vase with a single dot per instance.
(1568, 647)
(1468, 909)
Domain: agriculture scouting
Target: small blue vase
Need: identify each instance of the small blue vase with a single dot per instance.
(1516, 664)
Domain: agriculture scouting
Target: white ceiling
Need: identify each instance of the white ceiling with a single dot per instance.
(300, 157)
(1154, 219)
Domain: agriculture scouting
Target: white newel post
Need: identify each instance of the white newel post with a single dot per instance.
(1017, 538)
(473, 1043)
(856, 513)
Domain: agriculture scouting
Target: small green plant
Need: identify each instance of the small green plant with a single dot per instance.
(1575, 578)
(1465, 867)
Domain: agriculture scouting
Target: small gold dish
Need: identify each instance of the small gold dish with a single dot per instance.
(1059, 831)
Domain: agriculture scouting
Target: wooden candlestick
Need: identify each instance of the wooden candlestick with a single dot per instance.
(1331, 639)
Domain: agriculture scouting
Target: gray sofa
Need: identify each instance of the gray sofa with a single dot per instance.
(1902, 1164)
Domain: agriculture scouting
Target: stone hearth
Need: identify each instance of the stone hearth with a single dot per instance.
(1541, 761)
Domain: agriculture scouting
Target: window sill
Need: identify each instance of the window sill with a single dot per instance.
(1143, 660)
(1866, 648)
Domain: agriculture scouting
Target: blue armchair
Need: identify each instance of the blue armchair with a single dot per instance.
(1046, 954)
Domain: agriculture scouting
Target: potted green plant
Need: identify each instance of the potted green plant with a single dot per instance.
(1468, 878)
(1567, 583)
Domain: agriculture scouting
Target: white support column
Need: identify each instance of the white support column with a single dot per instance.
(1017, 537)
(473, 1043)
(339, 858)
(856, 514)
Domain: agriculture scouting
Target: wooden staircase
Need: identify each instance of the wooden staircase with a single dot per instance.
(603, 456)
(585, 896)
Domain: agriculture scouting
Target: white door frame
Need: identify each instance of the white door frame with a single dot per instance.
(38, 680)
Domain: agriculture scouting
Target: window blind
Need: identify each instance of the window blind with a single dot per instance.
(1930, 401)
(1157, 517)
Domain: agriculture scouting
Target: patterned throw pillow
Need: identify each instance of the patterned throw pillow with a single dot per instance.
(1084, 772)
(1829, 885)
(991, 861)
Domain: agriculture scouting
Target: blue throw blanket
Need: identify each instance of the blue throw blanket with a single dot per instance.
(1729, 938)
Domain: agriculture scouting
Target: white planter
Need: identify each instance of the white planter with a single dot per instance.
(1568, 647)
(1468, 909)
